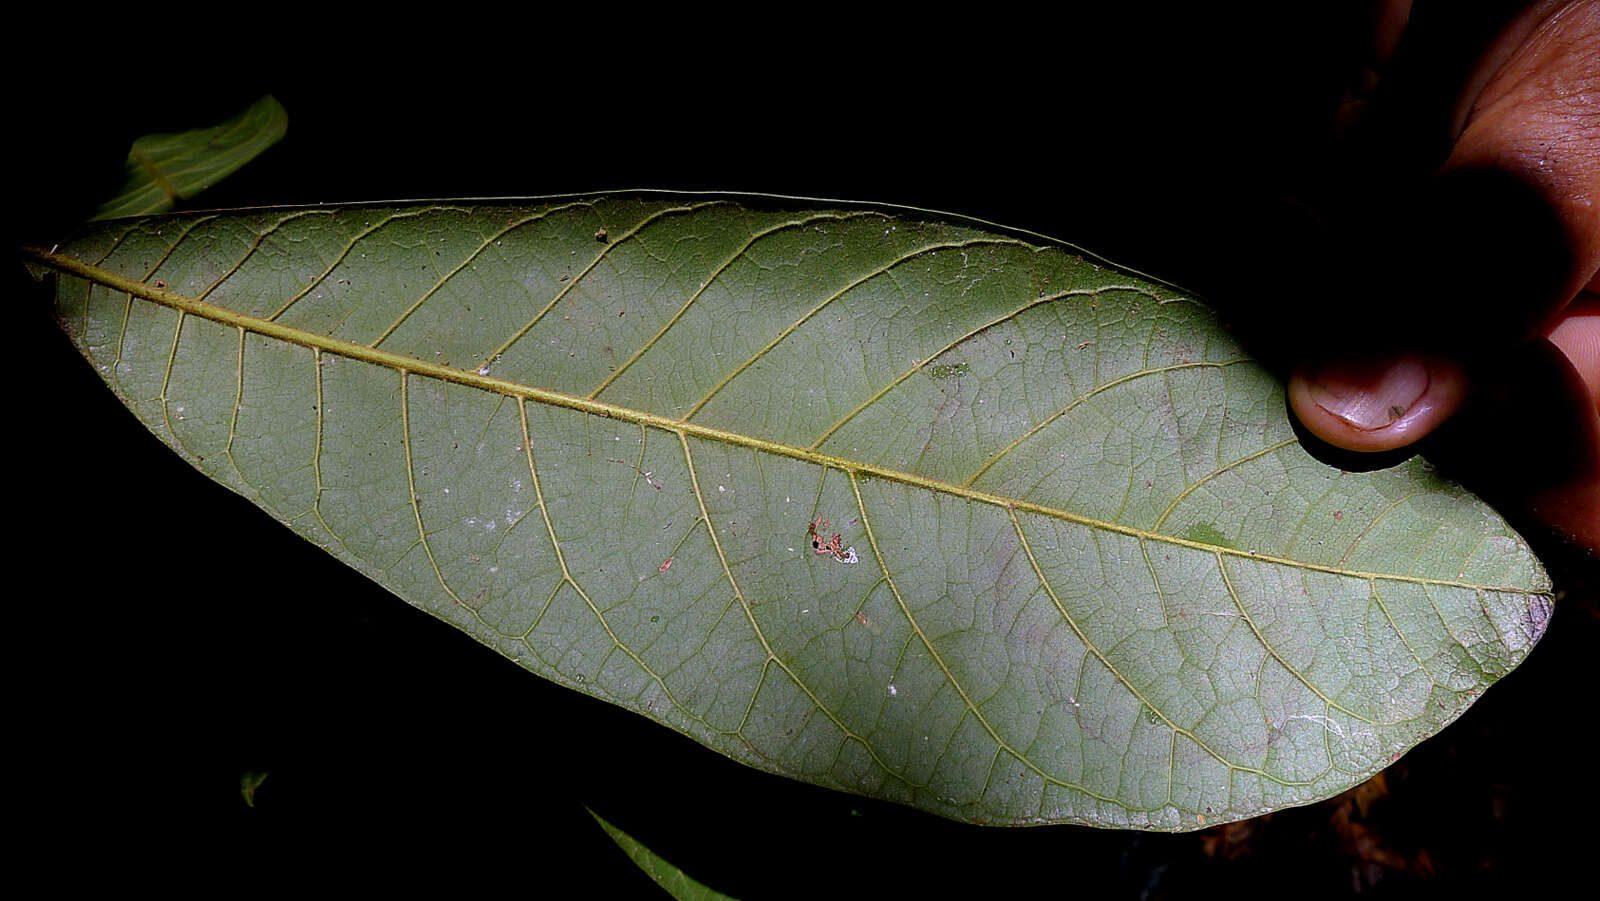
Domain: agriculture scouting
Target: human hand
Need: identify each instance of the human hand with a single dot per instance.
(1491, 343)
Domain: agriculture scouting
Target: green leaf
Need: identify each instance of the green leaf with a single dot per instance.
(249, 784)
(1096, 578)
(671, 879)
(164, 168)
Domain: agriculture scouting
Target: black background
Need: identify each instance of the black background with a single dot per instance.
(176, 637)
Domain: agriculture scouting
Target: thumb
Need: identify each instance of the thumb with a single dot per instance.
(1504, 238)
(1377, 402)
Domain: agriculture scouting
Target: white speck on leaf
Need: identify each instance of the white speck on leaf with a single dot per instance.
(1325, 722)
(892, 690)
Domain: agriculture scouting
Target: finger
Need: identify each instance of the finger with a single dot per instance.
(1576, 334)
(1529, 442)
(1538, 119)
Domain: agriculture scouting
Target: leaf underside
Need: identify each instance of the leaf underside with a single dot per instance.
(1097, 581)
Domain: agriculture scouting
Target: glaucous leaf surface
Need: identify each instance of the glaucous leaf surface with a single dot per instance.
(164, 168)
(1084, 572)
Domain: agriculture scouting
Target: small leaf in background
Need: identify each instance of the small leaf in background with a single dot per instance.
(673, 880)
(248, 783)
(164, 168)
(1081, 572)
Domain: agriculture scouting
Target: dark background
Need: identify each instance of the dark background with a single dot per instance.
(399, 753)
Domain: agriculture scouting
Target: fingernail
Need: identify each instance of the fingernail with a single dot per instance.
(1368, 396)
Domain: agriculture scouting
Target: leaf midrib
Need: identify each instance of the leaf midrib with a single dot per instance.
(471, 378)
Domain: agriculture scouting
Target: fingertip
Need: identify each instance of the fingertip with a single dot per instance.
(1576, 333)
(1378, 404)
